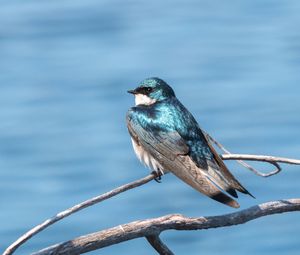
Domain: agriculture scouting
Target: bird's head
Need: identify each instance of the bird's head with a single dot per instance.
(152, 90)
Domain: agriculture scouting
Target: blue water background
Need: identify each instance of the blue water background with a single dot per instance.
(65, 67)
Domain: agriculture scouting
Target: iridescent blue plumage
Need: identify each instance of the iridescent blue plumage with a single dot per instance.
(166, 137)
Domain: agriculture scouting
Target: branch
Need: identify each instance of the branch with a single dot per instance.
(153, 227)
(76, 208)
(269, 159)
(158, 245)
(240, 157)
(10, 250)
(251, 168)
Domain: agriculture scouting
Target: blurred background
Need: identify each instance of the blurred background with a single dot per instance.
(65, 68)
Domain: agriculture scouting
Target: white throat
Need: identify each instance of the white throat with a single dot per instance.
(143, 99)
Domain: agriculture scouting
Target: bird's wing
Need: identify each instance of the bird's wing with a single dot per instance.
(169, 144)
(171, 151)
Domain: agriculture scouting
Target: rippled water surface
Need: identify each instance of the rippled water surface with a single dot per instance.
(65, 67)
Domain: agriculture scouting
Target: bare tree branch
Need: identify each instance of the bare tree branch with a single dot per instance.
(76, 208)
(240, 157)
(134, 184)
(269, 159)
(153, 227)
(158, 245)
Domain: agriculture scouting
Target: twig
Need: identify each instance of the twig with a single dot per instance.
(269, 159)
(74, 209)
(238, 157)
(158, 245)
(155, 226)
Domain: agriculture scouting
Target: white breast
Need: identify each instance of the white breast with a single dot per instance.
(146, 158)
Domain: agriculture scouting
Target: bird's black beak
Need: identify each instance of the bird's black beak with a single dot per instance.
(133, 91)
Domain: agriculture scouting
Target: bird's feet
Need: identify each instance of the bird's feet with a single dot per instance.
(157, 175)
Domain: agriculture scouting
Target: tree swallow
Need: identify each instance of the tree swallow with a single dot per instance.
(167, 138)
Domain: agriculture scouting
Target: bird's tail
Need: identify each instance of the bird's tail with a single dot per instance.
(229, 183)
(194, 176)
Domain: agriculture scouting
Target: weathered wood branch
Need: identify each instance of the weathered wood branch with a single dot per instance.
(153, 227)
(134, 184)
(74, 209)
(269, 159)
(158, 245)
(241, 157)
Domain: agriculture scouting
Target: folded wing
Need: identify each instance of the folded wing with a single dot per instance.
(172, 152)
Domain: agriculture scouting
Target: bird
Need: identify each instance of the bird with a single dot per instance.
(167, 139)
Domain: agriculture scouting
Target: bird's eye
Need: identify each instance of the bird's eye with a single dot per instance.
(146, 90)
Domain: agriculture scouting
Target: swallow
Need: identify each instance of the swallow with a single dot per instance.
(167, 138)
